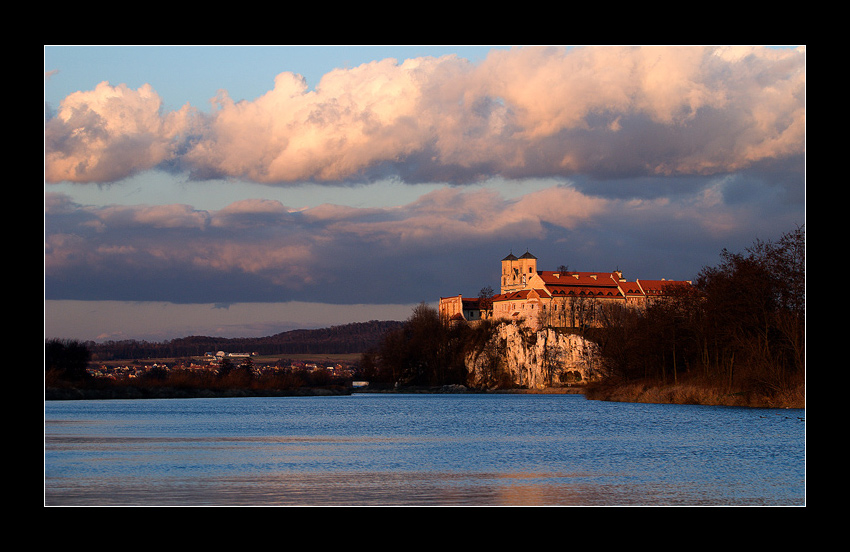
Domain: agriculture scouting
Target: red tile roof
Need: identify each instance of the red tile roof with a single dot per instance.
(631, 289)
(554, 277)
(656, 287)
(583, 284)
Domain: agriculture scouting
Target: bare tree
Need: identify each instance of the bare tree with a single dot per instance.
(485, 297)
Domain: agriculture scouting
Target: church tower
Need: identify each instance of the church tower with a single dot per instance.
(517, 272)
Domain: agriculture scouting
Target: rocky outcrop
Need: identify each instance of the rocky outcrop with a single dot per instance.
(520, 357)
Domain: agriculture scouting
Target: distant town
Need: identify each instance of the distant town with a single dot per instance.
(214, 363)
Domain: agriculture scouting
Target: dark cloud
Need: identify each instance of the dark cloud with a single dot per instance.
(449, 241)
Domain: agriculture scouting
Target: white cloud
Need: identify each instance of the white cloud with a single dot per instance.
(111, 132)
(519, 113)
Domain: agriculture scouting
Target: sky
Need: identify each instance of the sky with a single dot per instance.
(242, 191)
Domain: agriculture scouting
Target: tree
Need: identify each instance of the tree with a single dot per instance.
(424, 351)
(754, 312)
(485, 297)
(66, 359)
(740, 326)
(225, 367)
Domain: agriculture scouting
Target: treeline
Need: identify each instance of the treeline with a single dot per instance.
(740, 328)
(348, 338)
(423, 352)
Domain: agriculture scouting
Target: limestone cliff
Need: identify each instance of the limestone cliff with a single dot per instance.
(520, 357)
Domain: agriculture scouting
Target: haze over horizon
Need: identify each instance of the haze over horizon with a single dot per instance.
(241, 191)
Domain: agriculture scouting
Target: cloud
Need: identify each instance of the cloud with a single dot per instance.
(261, 248)
(446, 241)
(522, 113)
(112, 132)
(152, 217)
(447, 215)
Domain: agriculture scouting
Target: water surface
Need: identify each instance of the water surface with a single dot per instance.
(389, 449)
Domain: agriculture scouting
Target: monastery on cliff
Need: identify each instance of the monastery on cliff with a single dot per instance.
(542, 298)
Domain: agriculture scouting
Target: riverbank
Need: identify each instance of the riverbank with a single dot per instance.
(164, 392)
(576, 390)
(639, 392)
(683, 393)
(129, 392)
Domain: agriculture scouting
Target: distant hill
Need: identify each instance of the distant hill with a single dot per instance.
(348, 338)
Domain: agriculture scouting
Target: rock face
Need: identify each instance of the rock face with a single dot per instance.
(519, 357)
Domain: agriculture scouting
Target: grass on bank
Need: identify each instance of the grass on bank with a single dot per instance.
(696, 392)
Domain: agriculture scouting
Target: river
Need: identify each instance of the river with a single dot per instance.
(420, 450)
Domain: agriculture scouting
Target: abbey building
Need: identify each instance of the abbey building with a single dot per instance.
(540, 298)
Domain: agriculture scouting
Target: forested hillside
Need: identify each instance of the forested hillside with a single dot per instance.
(349, 338)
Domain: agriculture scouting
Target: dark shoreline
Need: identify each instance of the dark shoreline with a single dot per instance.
(658, 394)
(131, 392)
(73, 393)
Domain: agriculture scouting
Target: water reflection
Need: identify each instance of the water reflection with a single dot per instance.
(382, 489)
(434, 451)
